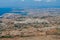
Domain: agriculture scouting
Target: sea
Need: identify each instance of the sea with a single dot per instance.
(10, 10)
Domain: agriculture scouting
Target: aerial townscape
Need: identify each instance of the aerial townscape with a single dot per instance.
(30, 24)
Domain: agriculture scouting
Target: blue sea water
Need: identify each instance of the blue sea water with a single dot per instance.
(4, 10)
(8, 10)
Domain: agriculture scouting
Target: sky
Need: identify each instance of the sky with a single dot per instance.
(29, 3)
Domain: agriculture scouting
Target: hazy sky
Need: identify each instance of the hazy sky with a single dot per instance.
(29, 3)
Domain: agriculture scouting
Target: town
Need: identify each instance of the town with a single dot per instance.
(35, 24)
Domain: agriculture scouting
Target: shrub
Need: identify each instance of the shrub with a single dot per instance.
(6, 36)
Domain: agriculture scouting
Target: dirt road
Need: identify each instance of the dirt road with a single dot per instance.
(49, 37)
